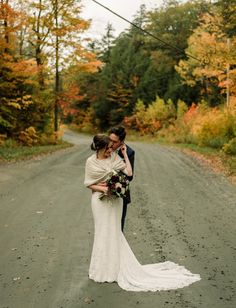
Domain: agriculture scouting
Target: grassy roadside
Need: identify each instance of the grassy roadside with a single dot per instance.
(213, 158)
(9, 154)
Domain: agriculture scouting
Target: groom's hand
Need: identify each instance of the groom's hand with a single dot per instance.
(123, 149)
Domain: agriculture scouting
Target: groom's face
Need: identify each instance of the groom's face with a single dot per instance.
(116, 143)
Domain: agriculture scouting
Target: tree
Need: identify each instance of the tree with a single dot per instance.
(227, 9)
(106, 43)
(209, 44)
(16, 85)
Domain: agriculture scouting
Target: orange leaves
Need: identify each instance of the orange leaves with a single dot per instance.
(68, 99)
(71, 94)
(11, 21)
(8, 14)
(190, 114)
(85, 61)
(15, 72)
(24, 68)
(89, 66)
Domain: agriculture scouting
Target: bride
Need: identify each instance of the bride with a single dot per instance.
(112, 259)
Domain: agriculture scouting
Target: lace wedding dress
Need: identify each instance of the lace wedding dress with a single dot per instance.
(112, 258)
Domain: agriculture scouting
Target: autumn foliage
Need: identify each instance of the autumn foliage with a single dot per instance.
(50, 73)
(29, 31)
(199, 124)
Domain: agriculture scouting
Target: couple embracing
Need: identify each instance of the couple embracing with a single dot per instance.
(112, 259)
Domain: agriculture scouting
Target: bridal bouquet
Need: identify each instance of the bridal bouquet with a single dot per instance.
(118, 185)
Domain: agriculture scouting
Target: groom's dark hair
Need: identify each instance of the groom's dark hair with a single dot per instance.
(118, 131)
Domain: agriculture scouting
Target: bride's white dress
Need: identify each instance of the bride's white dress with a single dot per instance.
(112, 258)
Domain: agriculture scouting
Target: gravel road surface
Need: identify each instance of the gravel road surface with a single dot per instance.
(180, 212)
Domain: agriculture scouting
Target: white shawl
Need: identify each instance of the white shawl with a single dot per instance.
(97, 170)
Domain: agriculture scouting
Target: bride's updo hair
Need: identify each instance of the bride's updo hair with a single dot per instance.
(100, 141)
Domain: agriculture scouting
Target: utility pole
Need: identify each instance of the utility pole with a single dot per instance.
(227, 74)
(57, 81)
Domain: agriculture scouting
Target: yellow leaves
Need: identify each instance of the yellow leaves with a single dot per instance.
(209, 44)
(20, 103)
(210, 126)
(185, 69)
(181, 109)
(135, 81)
(14, 104)
(152, 118)
(29, 136)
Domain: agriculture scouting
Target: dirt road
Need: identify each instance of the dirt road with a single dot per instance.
(180, 212)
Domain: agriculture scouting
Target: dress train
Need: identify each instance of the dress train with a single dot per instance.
(113, 260)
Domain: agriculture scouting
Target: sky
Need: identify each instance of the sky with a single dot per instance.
(100, 16)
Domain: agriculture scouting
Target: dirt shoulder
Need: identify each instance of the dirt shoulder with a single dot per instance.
(216, 162)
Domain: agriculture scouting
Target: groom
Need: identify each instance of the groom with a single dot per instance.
(117, 136)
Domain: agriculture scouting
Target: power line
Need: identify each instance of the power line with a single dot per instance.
(182, 51)
(147, 32)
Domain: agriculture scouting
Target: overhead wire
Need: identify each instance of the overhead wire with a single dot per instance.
(182, 51)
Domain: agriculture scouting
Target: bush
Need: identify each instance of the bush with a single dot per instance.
(182, 108)
(10, 143)
(214, 128)
(28, 137)
(230, 147)
(149, 120)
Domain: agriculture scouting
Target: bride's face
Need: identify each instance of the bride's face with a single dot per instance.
(108, 150)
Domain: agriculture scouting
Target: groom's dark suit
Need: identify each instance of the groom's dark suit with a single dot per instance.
(127, 199)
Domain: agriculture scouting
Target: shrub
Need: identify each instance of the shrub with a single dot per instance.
(214, 128)
(28, 137)
(10, 143)
(149, 120)
(230, 147)
(182, 108)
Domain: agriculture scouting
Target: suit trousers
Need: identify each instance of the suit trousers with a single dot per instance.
(125, 204)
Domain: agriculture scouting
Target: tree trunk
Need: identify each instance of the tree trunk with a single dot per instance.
(5, 22)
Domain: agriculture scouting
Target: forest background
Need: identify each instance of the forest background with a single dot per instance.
(174, 81)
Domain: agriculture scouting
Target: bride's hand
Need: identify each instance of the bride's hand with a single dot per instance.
(105, 190)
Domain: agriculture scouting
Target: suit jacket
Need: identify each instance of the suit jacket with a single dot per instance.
(131, 154)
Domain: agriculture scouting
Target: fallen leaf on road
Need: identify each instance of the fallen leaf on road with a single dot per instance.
(16, 278)
(87, 300)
